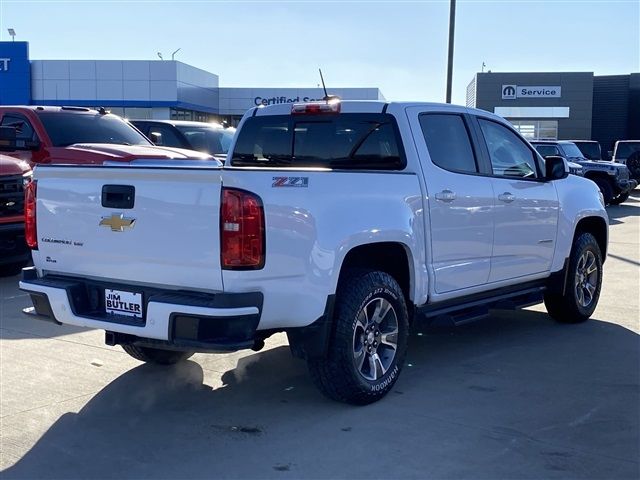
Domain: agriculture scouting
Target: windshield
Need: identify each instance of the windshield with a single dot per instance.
(570, 150)
(351, 140)
(590, 150)
(211, 140)
(625, 149)
(65, 129)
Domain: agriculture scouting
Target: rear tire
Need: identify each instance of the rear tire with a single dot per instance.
(605, 188)
(620, 198)
(156, 355)
(369, 339)
(584, 281)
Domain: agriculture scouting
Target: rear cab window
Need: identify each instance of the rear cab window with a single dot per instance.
(448, 142)
(363, 141)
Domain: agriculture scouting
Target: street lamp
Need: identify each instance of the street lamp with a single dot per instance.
(173, 55)
(452, 26)
(12, 33)
(159, 55)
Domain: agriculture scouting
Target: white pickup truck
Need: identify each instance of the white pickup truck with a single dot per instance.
(335, 222)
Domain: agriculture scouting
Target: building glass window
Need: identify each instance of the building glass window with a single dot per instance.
(536, 129)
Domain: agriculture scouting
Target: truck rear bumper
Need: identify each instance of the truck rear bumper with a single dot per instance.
(219, 322)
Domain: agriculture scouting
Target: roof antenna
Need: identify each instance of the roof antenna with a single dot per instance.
(327, 97)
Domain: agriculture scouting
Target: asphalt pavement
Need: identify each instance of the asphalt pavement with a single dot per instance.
(513, 396)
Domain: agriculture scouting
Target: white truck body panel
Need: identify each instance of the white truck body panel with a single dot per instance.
(311, 230)
(157, 250)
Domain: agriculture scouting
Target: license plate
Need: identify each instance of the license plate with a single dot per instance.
(119, 302)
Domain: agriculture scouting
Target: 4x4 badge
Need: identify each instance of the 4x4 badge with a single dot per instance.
(117, 222)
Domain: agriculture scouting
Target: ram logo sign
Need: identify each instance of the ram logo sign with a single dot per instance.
(508, 92)
(511, 92)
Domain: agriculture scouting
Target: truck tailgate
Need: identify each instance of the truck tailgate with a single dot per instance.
(167, 234)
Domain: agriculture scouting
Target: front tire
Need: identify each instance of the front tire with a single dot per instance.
(620, 198)
(584, 281)
(156, 355)
(606, 189)
(369, 340)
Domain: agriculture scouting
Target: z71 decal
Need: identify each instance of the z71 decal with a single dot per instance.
(290, 182)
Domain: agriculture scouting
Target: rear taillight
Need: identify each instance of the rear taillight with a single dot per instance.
(30, 233)
(241, 230)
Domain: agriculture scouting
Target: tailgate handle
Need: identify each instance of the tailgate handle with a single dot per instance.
(118, 196)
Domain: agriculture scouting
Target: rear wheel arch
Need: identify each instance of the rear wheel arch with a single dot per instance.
(394, 258)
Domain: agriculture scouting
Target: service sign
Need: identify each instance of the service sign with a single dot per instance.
(511, 92)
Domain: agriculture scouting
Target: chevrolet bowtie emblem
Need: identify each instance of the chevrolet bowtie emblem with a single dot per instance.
(117, 222)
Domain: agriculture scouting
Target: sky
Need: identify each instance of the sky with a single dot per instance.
(397, 46)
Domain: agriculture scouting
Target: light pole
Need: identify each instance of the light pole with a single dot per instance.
(452, 27)
(12, 33)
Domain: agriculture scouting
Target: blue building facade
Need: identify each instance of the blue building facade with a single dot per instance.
(142, 89)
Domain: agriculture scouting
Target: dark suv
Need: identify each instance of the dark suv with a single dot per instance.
(612, 178)
(211, 138)
(590, 149)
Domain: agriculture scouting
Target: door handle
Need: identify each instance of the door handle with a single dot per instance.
(446, 196)
(506, 197)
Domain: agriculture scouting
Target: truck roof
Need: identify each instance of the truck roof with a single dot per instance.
(373, 106)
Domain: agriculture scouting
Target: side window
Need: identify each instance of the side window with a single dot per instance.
(547, 150)
(510, 156)
(168, 137)
(448, 142)
(24, 130)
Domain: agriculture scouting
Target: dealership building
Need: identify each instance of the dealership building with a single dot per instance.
(142, 89)
(562, 105)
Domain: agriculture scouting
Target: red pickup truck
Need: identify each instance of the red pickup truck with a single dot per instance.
(31, 135)
(81, 136)
(14, 175)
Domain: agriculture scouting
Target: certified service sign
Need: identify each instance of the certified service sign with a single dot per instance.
(511, 92)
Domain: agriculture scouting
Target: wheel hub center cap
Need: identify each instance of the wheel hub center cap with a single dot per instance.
(370, 338)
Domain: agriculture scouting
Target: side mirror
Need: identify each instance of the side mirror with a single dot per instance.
(156, 138)
(556, 168)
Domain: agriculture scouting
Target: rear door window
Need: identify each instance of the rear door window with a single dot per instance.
(345, 141)
(448, 142)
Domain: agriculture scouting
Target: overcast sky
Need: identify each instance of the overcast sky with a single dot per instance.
(398, 46)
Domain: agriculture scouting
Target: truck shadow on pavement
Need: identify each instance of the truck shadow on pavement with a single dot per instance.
(516, 395)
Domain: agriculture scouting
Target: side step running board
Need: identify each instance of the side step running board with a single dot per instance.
(474, 307)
